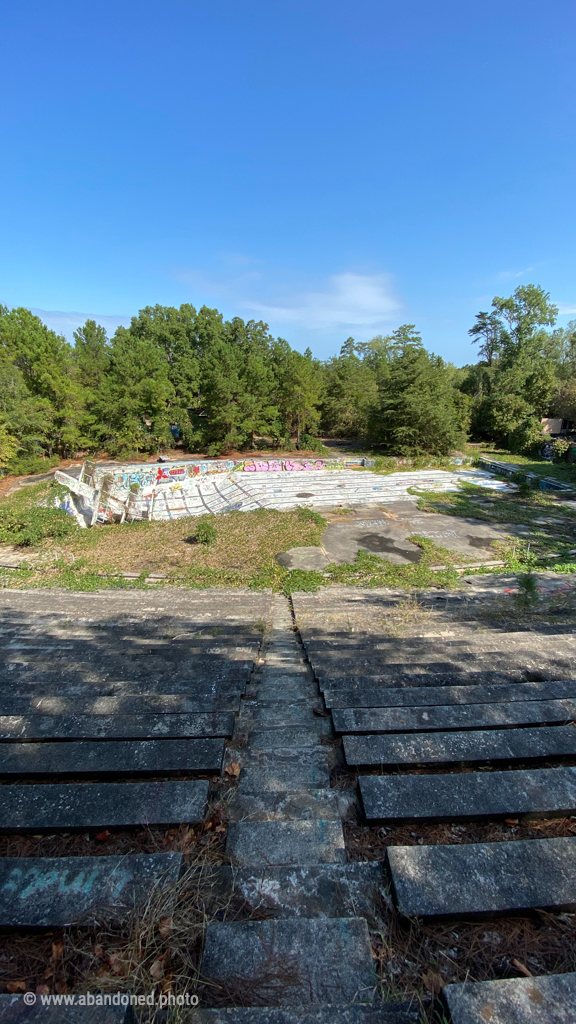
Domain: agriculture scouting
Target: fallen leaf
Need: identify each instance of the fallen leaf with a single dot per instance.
(208, 825)
(433, 981)
(157, 970)
(57, 950)
(99, 952)
(511, 821)
(220, 828)
(16, 986)
(42, 990)
(233, 769)
(520, 967)
(102, 836)
(117, 965)
(165, 926)
(319, 713)
(48, 973)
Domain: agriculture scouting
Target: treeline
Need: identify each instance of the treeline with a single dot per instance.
(222, 385)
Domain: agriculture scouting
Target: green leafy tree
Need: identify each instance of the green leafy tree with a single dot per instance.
(299, 385)
(92, 362)
(136, 396)
(515, 382)
(420, 411)
(350, 390)
(44, 361)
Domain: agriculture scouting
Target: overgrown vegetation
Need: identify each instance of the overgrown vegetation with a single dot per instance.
(30, 517)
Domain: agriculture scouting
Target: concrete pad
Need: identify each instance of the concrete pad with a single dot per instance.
(303, 558)
(386, 537)
(381, 537)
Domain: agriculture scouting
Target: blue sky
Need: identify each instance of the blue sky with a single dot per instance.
(333, 168)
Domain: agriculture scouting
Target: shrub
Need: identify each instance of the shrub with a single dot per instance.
(24, 522)
(560, 447)
(29, 465)
(206, 532)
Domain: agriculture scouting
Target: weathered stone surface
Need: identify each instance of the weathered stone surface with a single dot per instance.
(407, 683)
(286, 693)
(308, 558)
(64, 727)
(268, 713)
(381, 537)
(471, 716)
(420, 696)
(99, 757)
(296, 805)
(446, 747)
(108, 805)
(13, 1010)
(131, 704)
(289, 736)
(542, 792)
(328, 890)
(379, 1013)
(284, 777)
(291, 962)
(479, 878)
(550, 999)
(39, 892)
(260, 843)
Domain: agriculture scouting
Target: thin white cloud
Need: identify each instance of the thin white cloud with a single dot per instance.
(506, 275)
(566, 308)
(66, 323)
(345, 301)
(350, 300)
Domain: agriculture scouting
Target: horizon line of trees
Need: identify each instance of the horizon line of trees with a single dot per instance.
(227, 384)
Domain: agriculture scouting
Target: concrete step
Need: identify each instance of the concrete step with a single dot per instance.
(420, 696)
(312, 890)
(296, 805)
(482, 878)
(541, 792)
(471, 716)
(292, 962)
(377, 1013)
(98, 806)
(549, 998)
(111, 757)
(67, 727)
(54, 892)
(448, 747)
(263, 843)
(13, 1010)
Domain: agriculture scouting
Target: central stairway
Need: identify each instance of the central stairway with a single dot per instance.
(303, 954)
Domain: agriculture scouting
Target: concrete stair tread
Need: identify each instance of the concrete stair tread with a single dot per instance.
(483, 878)
(291, 962)
(550, 998)
(377, 1013)
(540, 792)
(263, 843)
